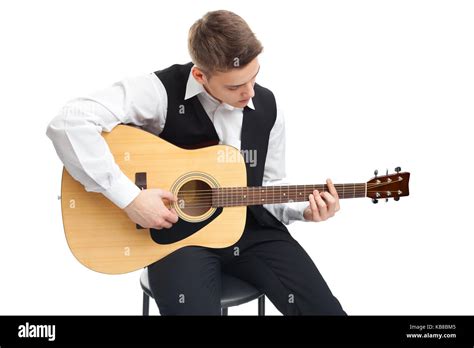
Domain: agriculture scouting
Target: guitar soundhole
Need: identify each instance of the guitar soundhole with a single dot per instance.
(195, 198)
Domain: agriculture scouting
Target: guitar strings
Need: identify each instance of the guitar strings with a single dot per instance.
(293, 187)
(234, 193)
(239, 190)
(227, 195)
(255, 192)
(229, 202)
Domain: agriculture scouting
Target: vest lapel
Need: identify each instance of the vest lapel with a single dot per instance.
(203, 118)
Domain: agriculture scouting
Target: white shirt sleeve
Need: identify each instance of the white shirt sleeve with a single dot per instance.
(275, 173)
(76, 132)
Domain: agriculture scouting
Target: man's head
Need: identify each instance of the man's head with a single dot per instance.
(225, 50)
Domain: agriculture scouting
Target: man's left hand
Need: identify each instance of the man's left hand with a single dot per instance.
(323, 205)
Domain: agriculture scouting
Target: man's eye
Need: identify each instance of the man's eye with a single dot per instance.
(232, 88)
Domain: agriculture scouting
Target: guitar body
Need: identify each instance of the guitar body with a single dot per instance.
(104, 239)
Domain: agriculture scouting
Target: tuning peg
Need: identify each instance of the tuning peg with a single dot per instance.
(396, 198)
(398, 169)
(375, 201)
(386, 200)
(386, 173)
(376, 172)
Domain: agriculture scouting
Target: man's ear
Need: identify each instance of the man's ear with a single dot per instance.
(199, 75)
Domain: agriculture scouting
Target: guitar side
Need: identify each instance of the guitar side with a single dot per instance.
(104, 239)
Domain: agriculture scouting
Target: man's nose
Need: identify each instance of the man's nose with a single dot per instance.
(248, 91)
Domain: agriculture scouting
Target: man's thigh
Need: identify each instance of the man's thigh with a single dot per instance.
(187, 282)
(287, 275)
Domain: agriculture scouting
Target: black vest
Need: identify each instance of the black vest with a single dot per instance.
(188, 126)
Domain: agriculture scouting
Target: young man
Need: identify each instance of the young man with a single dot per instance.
(214, 99)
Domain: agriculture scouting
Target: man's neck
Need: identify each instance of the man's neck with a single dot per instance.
(210, 94)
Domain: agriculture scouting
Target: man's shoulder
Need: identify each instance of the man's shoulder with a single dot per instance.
(175, 69)
(264, 92)
(175, 77)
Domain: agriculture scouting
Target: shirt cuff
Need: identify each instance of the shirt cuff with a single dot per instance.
(122, 192)
(298, 208)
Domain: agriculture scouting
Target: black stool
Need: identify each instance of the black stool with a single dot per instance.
(234, 292)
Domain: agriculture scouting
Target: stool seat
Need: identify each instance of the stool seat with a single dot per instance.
(234, 291)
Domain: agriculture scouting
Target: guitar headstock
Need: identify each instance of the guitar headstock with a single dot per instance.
(388, 186)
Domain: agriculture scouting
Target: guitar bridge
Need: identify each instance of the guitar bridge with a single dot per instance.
(140, 181)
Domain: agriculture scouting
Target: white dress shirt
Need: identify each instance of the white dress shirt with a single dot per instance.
(142, 100)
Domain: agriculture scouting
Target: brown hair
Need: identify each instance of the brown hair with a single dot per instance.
(221, 41)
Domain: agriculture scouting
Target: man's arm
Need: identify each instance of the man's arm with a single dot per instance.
(321, 206)
(275, 173)
(76, 135)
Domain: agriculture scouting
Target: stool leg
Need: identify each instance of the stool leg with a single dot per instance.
(261, 305)
(146, 304)
(224, 311)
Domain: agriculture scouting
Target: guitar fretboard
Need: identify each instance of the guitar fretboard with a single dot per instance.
(240, 196)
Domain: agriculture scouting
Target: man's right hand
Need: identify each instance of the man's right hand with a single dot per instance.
(149, 211)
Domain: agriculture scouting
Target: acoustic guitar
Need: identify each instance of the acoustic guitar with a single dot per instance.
(211, 186)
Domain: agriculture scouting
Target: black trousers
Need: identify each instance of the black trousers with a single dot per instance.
(188, 281)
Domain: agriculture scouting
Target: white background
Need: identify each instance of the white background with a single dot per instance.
(365, 85)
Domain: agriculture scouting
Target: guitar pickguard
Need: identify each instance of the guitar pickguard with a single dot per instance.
(181, 229)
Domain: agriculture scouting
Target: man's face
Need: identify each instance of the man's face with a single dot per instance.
(234, 87)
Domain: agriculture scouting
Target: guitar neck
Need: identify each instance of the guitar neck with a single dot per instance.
(257, 195)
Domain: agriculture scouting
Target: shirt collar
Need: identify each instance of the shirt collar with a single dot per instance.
(194, 88)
